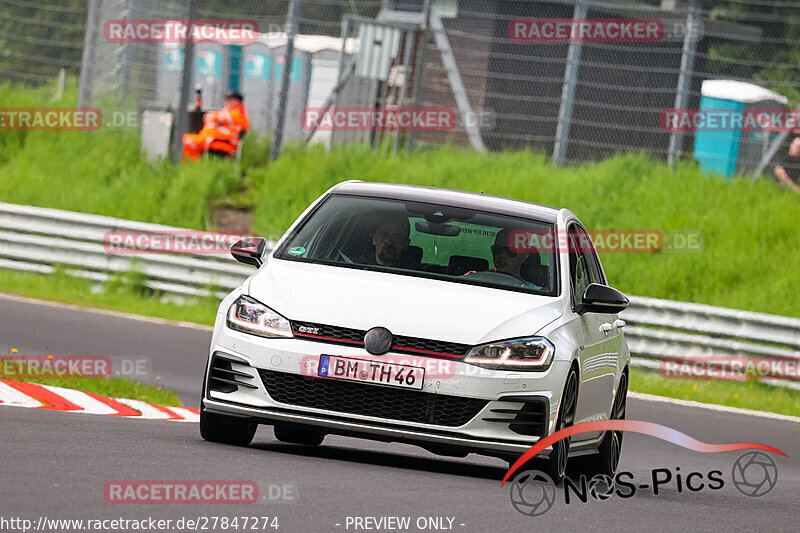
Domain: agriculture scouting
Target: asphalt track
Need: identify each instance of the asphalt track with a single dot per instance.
(56, 464)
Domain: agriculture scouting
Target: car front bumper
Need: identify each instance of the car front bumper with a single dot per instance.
(489, 431)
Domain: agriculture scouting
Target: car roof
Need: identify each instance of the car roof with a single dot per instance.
(449, 197)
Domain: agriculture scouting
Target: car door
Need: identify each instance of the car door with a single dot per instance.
(611, 324)
(599, 352)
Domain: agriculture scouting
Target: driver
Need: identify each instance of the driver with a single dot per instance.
(508, 259)
(391, 241)
(505, 258)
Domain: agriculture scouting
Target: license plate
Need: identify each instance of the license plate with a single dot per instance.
(393, 374)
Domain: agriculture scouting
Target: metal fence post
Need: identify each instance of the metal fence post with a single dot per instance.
(401, 101)
(130, 12)
(341, 74)
(181, 118)
(456, 84)
(419, 69)
(86, 83)
(291, 31)
(685, 75)
(568, 91)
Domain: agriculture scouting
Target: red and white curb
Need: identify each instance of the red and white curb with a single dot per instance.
(23, 394)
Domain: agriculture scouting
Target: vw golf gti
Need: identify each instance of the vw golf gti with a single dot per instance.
(459, 322)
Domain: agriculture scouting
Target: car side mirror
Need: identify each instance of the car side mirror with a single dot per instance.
(601, 299)
(250, 251)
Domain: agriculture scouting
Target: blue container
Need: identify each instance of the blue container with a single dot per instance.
(718, 151)
(723, 149)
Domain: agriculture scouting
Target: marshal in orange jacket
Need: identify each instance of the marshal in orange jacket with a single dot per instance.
(222, 131)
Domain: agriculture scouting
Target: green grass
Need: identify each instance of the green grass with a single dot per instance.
(744, 394)
(115, 296)
(749, 228)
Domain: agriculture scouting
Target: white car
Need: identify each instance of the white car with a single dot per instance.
(460, 322)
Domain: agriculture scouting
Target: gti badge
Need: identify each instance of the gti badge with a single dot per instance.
(377, 341)
(306, 329)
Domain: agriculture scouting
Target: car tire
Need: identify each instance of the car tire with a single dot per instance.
(555, 466)
(298, 435)
(605, 462)
(225, 430)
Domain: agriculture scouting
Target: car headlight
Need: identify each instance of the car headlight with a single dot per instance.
(251, 316)
(534, 353)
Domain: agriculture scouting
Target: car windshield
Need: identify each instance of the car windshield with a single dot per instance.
(426, 240)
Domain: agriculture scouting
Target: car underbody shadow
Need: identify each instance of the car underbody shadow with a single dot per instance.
(437, 464)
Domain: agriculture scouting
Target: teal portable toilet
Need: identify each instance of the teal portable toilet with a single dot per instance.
(728, 151)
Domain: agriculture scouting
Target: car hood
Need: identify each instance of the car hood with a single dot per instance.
(406, 305)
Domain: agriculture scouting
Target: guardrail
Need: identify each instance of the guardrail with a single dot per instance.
(39, 239)
(688, 332)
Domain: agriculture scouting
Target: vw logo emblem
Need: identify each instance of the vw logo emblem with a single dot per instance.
(378, 341)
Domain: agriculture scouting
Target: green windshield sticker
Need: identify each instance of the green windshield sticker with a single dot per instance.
(297, 250)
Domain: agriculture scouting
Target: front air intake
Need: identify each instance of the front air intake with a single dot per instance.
(225, 379)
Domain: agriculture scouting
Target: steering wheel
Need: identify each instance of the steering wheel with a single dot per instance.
(507, 273)
(481, 273)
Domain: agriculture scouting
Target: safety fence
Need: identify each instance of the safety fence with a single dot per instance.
(515, 74)
(43, 240)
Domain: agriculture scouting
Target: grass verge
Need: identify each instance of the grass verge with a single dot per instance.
(114, 296)
(749, 228)
(744, 394)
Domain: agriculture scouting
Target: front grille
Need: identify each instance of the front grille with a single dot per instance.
(370, 400)
(351, 337)
(332, 333)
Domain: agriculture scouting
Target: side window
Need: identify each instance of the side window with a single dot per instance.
(574, 264)
(584, 266)
(592, 261)
(582, 277)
